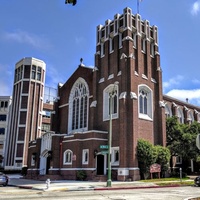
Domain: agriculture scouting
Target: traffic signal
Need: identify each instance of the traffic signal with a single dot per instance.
(73, 2)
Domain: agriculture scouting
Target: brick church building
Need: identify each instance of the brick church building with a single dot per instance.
(121, 97)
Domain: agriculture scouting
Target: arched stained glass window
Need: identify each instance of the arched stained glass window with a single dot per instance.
(78, 106)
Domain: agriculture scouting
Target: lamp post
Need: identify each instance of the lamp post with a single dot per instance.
(73, 2)
(109, 181)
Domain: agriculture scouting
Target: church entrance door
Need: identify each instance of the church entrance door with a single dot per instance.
(100, 165)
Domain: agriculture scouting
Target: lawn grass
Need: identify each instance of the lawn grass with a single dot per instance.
(165, 179)
(171, 181)
(176, 183)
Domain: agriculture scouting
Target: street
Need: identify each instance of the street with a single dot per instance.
(172, 193)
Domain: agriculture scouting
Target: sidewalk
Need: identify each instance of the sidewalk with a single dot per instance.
(66, 185)
(76, 185)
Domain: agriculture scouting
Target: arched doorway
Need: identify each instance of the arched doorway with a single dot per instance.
(45, 160)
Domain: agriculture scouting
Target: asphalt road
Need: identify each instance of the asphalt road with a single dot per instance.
(173, 193)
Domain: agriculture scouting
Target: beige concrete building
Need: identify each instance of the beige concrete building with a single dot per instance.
(5, 102)
(26, 111)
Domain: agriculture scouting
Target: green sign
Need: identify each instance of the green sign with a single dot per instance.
(103, 146)
(104, 152)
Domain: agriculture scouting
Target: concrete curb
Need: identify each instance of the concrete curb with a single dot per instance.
(136, 187)
(21, 186)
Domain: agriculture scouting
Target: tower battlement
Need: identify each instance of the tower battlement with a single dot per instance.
(129, 21)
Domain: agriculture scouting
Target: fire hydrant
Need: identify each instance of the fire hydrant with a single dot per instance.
(48, 183)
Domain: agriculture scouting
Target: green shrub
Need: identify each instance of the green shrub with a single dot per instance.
(24, 171)
(81, 175)
(176, 174)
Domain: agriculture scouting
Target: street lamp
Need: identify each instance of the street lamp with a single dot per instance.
(109, 181)
(73, 2)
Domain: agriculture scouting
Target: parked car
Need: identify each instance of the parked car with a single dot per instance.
(3, 179)
(197, 181)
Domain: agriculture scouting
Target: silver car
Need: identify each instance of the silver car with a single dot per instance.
(3, 179)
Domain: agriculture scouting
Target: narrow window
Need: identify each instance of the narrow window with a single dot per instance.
(143, 45)
(85, 156)
(33, 158)
(110, 102)
(39, 70)
(3, 118)
(120, 40)
(111, 41)
(115, 156)
(2, 104)
(6, 104)
(145, 102)
(152, 50)
(168, 112)
(67, 157)
(180, 116)
(121, 23)
(134, 37)
(33, 73)
(102, 49)
(2, 131)
(113, 102)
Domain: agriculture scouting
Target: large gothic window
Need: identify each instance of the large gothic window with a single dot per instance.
(78, 106)
(145, 102)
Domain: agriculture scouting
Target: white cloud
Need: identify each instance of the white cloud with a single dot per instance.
(27, 38)
(195, 8)
(193, 95)
(172, 82)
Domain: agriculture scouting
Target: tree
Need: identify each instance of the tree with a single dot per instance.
(163, 157)
(181, 139)
(146, 155)
(174, 133)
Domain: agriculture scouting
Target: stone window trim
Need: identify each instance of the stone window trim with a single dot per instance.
(67, 157)
(115, 156)
(106, 98)
(145, 102)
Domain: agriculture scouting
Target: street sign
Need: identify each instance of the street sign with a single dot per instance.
(104, 152)
(103, 146)
(198, 141)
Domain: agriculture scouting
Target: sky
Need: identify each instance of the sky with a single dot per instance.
(60, 34)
